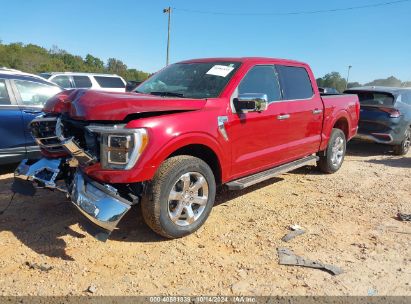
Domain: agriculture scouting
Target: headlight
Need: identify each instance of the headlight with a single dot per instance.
(120, 148)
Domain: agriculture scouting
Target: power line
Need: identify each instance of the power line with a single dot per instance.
(293, 13)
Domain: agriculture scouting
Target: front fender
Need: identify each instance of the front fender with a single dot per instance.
(155, 155)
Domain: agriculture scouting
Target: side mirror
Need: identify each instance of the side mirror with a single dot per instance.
(251, 102)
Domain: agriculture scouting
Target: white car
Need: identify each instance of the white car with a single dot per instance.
(101, 82)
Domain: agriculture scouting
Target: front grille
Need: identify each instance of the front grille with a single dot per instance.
(85, 139)
(43, 130)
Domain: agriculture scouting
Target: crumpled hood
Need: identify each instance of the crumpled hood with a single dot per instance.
(84, 104)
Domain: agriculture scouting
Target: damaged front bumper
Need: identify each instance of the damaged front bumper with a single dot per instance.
(100, 203)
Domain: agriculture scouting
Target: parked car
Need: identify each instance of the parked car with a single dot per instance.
(132, 85)
(101, 82)
(385, 116)
(22, 97)
(329, 91)
(193, 126)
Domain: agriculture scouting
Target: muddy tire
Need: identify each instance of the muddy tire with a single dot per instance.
(404, 147)
(180, 197)
(332, 158)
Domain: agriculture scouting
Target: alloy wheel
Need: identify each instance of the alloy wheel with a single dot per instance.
(188, 198)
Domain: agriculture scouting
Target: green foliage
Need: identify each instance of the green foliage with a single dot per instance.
(34, 59)
(354, 85)
(332, 80)
(388, 82)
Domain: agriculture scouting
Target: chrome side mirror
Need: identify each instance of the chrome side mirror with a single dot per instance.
(251, 102)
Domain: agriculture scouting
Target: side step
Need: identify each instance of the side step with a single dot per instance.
(250, 180)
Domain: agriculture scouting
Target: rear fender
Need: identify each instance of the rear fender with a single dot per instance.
(330, 122)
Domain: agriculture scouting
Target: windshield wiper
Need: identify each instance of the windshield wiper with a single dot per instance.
(173, 94)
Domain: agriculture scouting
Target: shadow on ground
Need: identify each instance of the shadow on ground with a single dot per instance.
(41, 222)
(404, 162)
(359, 148)
(9, 168)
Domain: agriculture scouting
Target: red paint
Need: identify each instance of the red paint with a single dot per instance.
(257, 141)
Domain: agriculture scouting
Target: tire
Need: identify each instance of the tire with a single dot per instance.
(404, 147)
(332, 158)
(178, 177)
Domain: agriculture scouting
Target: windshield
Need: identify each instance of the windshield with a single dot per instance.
(190, 80)
(374, 98)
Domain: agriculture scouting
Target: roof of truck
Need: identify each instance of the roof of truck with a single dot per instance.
(243, 59)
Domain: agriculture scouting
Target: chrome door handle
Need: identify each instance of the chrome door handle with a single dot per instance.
(317, 111)
(283, 116)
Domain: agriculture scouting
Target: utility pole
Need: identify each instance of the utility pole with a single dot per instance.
(348, 76)
(168, 11)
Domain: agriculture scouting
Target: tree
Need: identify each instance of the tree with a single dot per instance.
(332, 80)
(94, 64)
(353, 85)
(35, 59)
(388, 82)
(116, 66)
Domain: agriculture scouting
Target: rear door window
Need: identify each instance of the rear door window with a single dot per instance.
(295, 82)
(109, 82)
(62, 81)
(4, 95)
(261, 79)
(82, 81)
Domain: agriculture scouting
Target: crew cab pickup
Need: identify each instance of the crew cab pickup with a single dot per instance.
(189, 128)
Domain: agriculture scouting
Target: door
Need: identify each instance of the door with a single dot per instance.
(259, 140)
(31, 97)
(12, 143)
(305, 111)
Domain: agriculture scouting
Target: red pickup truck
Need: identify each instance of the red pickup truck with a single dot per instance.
(189, 128)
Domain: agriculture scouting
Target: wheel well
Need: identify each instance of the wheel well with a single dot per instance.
(342, 124)
(204, 153)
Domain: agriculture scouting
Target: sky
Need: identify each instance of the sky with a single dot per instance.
(374, 41)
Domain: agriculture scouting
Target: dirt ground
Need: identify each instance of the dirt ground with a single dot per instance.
(349, 217)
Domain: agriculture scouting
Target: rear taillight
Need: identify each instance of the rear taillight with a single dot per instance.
(394, 113)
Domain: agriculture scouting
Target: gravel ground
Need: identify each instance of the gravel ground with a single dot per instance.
(349, 218)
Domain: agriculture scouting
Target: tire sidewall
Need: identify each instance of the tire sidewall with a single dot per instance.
(335, 133)
(165, 221)
(407, 134)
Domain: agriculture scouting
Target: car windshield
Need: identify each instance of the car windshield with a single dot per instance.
(374, 98)
(190, 80)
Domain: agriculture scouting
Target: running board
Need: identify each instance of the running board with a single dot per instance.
(250, 180)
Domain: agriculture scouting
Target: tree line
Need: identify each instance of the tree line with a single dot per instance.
(335, 80)
(35, 59)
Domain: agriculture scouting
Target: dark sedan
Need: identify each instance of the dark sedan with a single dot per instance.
(385, 116)
(22, 97)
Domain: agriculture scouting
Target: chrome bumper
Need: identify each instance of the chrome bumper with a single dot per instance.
(100, 203)
(44, 172)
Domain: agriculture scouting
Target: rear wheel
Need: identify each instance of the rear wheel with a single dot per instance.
(180, 197)
(405, 145)
(331, 160)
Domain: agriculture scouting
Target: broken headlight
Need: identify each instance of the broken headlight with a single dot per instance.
(120, 148)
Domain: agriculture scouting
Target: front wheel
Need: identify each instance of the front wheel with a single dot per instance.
(180, 197)
(405, 145)
(332, 158)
